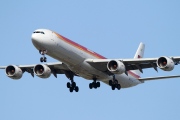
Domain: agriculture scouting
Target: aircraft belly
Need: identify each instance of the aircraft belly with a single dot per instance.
(86, 71)
(127, 81)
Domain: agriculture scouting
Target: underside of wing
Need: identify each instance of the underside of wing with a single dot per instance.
(130, 64)
(41, 70)
(164, 63)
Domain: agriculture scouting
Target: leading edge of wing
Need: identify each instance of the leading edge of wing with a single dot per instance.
(56, 65)
(101, 64)
(138, 60)
(123, 60)
(158, 78)
(131, 64)
(2, 67)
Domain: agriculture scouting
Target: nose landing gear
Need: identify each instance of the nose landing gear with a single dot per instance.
(43, 52)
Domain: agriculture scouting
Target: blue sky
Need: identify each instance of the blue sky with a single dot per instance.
(113, 29)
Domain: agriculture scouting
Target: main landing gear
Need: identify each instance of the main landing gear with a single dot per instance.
(94, 84)
(114, 84)
(71, 85)
(43, 52)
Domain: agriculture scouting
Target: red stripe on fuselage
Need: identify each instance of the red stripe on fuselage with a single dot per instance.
(88, 51)
(80, 47)
(133, 74)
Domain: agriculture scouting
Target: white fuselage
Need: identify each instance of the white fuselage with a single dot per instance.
(74, 56)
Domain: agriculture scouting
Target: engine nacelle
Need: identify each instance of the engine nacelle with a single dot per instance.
(13, 72)
(116, 67)
(42, 71)
(165, 63)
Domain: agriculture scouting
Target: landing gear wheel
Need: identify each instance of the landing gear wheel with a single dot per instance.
(41, 59)
(94, 85)
(90, 85)
(45, 59)
(43, 53)
(71, 89)
(68, 85)
(118, 86)
(114, 83)
(113, 87)
(98, 84)
(110, 82)
(76, 88)
(73, 84)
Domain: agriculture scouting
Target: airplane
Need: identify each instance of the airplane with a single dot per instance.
(76, 60)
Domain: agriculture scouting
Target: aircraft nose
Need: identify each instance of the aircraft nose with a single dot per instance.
(39, 38)
(34, 38)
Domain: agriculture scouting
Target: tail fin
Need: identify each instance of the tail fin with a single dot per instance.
(139, 54)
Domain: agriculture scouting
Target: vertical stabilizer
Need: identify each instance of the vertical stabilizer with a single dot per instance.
(139, 54)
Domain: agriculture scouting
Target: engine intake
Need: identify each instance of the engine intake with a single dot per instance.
(42, 71)
(13, 72)
(116, 67)
(165, 63)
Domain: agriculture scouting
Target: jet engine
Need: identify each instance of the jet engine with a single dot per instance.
(165, 63)
(116, 67)
(13, 72)
(42, 71)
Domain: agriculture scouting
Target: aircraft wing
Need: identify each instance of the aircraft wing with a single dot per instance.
(130, 64)
(158, 78)
(56, 68)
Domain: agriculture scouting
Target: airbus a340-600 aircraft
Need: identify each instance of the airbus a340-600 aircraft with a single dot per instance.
(76, 60)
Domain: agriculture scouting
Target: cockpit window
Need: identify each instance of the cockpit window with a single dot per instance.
(39, 32)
